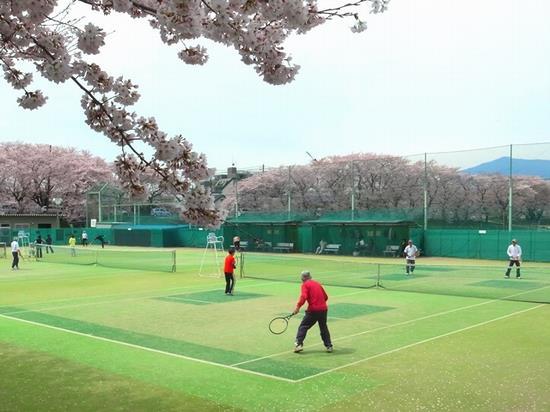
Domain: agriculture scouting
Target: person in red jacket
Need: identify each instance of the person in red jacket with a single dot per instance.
(317, 310)
(228, 268)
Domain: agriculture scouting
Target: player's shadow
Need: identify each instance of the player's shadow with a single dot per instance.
(337, 351)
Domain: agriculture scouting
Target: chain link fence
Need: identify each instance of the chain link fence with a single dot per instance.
(505, 187)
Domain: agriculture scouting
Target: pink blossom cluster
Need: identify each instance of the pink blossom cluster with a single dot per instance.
(36, 32)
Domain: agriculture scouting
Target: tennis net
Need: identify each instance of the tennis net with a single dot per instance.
(157, 260)
(485, 282)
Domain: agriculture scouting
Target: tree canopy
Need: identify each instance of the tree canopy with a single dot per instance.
(34, 176)
(392, 182)
(45, 35)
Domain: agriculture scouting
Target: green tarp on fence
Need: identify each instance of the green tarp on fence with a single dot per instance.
(489, 244)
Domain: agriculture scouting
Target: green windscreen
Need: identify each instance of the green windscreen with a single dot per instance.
(486, 282)
(163, 260)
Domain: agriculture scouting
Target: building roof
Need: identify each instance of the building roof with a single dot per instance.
(361, 222)
(28, 214)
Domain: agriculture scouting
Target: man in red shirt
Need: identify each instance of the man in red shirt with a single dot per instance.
(317, 310)
(228, 268)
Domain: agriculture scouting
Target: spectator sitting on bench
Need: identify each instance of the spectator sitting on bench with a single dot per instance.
(322, 245)
(360, 246)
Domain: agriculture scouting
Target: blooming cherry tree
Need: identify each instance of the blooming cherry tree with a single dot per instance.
(32, 175)
(59, 48)
(390, 182)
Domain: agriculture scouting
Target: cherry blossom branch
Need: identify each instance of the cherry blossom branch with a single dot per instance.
(343, 6)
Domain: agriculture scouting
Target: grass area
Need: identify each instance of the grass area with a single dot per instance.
(457, 336)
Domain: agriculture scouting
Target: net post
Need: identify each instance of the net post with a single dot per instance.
(377, 283)
(241, 265)
(173, 260)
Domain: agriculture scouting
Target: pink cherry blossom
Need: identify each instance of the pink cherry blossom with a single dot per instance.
(36, 32)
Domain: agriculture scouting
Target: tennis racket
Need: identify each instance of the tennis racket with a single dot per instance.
(279, 324)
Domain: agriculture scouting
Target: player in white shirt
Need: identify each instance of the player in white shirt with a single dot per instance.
(15, 254)
(84, 238)
(514, 253)
(410, 252)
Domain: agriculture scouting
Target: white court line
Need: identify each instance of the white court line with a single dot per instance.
(132, 298)
(145, 348)
(417, 343)
(134, 294)
(393, 325)
(188, 300)
(350, 294)
(234, 366)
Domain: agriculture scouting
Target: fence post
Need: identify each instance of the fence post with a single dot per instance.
(510, 182)
(425, 191)
(289, 198)
(352, 191)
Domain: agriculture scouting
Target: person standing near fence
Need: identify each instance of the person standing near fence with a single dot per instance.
(72, 245)
(514, 253)
(228, 268)
(38, 243)
(84, 238)
(410, 252)
(49, 244)
(237, 243)
(314, 294)
(15, 254)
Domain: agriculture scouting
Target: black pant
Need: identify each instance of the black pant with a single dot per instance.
(309, 320)
(512, 263)
(38, 251)
(229, 282)
(15, 263)
(410, 265)
(50, 248)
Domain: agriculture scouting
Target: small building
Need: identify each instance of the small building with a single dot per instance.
(12, 223)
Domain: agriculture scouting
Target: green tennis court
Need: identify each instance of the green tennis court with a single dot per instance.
(92, 335)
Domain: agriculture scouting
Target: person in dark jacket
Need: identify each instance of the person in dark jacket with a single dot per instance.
(49, 242)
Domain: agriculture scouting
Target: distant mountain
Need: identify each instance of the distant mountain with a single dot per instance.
(525, 167)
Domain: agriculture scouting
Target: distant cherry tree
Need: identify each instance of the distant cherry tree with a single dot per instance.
(393, 182)
(39, 178)
(45, 34)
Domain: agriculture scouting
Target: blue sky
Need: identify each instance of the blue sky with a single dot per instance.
(427, 76)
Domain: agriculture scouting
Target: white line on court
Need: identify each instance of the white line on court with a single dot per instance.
(393, 325)
(130, 298)
(234, 366)
(137, 296)
(191, 300)
(417, 343)
(145, 348)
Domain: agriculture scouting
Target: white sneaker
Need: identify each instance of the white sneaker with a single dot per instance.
(298, 348)
(330, 349)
